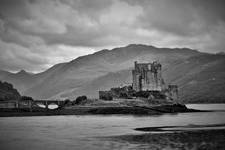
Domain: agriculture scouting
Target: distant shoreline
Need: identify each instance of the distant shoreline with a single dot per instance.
(97, 110)
(206, 103)
(189, 127)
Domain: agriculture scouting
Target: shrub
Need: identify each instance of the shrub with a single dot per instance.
(81, 99)
(67, 102)
(107, 97)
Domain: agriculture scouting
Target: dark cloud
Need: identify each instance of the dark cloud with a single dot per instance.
(12, 9)
(48, 30)
(184, 18)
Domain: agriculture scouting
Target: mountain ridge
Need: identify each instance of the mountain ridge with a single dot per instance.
(91, 72)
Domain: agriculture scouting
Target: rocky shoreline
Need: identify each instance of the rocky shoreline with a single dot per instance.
(193, 139)
(100, 110)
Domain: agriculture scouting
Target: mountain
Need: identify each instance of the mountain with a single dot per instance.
(77, 73)
(22, 80)
(200, 79)
(195, 73)
(7, 92)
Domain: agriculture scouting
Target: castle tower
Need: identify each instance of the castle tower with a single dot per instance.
(147, 76)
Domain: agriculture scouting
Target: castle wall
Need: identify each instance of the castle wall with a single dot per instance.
(173, 92)
(136, 83)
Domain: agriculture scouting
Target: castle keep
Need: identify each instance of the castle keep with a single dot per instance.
(147, 76)
(147, 83)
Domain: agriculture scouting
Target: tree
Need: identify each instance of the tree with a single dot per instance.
(81, 99)
(26, 98)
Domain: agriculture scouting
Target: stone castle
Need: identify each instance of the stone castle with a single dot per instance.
(147, 82)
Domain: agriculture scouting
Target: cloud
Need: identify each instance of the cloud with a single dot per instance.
(35, 34)
(15, 57)
(195, 24)
(84, 29)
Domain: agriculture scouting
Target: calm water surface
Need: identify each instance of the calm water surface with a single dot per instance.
(82, 132)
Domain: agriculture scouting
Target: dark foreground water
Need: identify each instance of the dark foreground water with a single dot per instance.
(83, 132)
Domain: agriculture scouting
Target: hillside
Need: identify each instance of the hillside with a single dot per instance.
(21, 80)
(196, 73)
(79, 72)
(200, 79)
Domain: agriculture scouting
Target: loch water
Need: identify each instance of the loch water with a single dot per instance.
(85, 132)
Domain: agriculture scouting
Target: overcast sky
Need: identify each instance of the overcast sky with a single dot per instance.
(36, 34)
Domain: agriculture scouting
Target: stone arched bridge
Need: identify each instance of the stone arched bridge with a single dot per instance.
(48, 102)
(30, 104)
